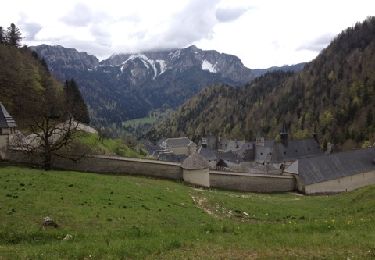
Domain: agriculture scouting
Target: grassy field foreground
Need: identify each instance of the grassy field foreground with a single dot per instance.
(115, 217)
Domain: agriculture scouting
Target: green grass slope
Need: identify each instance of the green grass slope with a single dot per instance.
(108, 146)
(112, 217)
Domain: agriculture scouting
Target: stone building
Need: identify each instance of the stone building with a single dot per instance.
(337, 172)
(196, 170)
(179, 146)
(7, 128)
(270, 151)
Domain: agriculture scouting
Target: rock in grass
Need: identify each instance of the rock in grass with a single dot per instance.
(68, 237)
(49, 222)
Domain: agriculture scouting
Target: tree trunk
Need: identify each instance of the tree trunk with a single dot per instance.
(47, 160)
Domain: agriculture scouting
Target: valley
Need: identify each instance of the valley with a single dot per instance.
(169, 151)
(129, 86)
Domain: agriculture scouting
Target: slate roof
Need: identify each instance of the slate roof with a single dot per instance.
(207, 153)
(6, 120)
(177, 142)
(329, 167)
(195, 162)
(296, 149)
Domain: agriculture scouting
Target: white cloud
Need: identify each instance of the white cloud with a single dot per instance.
(228, 15)
(262, 33)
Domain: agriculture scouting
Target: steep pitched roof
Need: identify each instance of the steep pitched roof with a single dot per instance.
(333, 166)
(177, 142)
(296, 149)
(207, 153)
(195, 162)
(6, 120)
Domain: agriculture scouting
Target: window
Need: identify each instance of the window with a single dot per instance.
(261, 153)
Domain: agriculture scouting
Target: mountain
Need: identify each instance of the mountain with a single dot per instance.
(333, 96)
(286, 68)
(127, 86)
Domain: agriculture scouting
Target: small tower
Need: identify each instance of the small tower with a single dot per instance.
(284, 135)
(7, 128)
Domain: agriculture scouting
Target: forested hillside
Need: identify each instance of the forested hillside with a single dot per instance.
(130, 86)
(26, 85)
(334, 96)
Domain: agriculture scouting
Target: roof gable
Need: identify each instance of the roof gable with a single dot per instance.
(195, 162)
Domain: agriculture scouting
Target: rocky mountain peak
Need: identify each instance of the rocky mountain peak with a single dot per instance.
(59, 58)
(129, 85)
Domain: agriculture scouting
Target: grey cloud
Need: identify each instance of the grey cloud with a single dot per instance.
(318, 44)
(193, 23)
(228, 15)
(30, 30)
(95, 48)
(101, 34)
(81, 15)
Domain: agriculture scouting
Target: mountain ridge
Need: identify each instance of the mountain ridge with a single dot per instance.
(333, 97)
(130, 85)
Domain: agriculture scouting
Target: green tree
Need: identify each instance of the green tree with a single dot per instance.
(2, 40)
(13, 35)
(75, 103)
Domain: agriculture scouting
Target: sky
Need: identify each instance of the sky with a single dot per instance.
(262, 33)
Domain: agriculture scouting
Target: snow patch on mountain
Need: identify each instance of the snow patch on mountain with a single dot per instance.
(175, 54)
(206, 65)
(148, 63)
(162, 65)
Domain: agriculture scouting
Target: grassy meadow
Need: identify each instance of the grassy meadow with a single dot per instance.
(107, 146)
(123, 217)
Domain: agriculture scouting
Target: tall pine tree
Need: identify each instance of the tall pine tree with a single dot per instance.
(13, 35)
(75, 103)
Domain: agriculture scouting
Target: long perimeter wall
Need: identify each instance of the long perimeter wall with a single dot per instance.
(252, 182)
(166, 170)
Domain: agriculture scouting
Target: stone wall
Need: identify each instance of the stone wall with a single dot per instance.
(4, 139)
(107, 164)
(347, 183)
(127, 166)
(119, 165)
(252, 182)
(197, 177)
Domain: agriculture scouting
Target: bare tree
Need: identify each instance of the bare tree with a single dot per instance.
(52, 129)
(50, 136)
